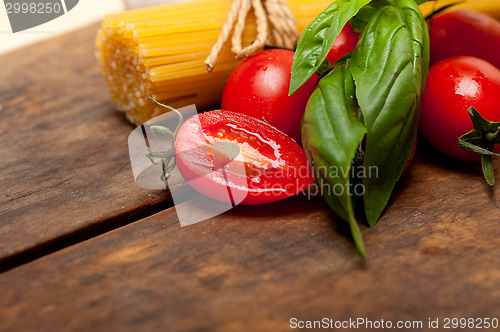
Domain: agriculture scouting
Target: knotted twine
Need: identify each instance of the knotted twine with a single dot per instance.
(276, 13)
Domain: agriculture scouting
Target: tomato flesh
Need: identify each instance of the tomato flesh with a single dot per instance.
(454, 85)
(259, 87)
(238, 159)
(345, 42)
(465, 32)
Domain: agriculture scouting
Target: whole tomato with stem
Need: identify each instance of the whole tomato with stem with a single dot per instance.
(259, 87)
(464, 32)
(453, 86)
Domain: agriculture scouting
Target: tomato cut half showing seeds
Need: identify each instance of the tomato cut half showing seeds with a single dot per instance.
(238, 159)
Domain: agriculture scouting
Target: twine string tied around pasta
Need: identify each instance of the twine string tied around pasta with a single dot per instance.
(275, 24)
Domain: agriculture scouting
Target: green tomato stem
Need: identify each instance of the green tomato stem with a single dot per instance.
(482, 139)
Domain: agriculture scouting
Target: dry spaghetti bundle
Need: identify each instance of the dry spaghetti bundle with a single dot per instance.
(160, 51)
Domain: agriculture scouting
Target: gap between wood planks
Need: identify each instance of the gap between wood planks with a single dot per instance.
(100, 227)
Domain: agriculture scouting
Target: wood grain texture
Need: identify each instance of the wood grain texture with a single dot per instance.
(434, 254)
(64, 164)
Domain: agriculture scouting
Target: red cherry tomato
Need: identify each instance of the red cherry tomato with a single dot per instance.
(346, 42)
(259, 87)
(454, 85)
(465, 32)
(238, 159)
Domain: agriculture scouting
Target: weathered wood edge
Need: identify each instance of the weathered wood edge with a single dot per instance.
(64, 164)
(434, 254)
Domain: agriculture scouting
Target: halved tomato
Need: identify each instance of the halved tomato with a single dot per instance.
(238, 159)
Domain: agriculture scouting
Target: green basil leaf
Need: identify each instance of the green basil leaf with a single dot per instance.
(360, 21)
(317, 40)
(389, 66)
(419, 36)
(331, 135)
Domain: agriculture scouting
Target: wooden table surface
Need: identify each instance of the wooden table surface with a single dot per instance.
(82, 248)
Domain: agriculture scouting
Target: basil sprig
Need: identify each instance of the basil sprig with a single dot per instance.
(331, 134)
(389, 67)
(369, 102)
(317, 40)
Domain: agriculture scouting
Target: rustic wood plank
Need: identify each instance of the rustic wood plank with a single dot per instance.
(64, 165)
(434, 254)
